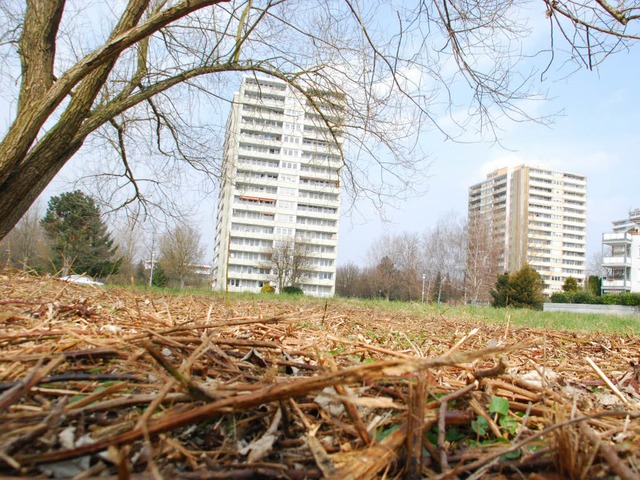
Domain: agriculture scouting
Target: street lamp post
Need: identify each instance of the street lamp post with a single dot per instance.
(424, 277)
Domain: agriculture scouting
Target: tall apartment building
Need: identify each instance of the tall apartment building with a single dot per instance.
(534, 216)
(621, 255)
(280, 190)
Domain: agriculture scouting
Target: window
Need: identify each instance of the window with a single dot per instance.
(249, 228)
(289, 178)
(282, 217)
(287, 191)
(285, 231)
(286, 204)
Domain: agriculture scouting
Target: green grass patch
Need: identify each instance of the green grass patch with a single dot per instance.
(472, 314)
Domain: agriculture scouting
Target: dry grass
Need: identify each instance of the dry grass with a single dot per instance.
(97, 382)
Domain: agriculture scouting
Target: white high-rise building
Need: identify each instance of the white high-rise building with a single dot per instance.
(621, 255)
(280, 191)
(534, 216)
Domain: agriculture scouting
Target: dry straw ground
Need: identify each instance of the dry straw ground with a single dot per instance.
(131, 384)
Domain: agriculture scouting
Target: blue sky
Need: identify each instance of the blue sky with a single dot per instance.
(595, 133)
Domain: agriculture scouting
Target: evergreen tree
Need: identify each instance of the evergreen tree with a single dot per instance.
(527, 287)
(159, 276)
(77, 236)
(570, 285)
(594, 285)
(141, 275)
(501, 294)
(522, 289)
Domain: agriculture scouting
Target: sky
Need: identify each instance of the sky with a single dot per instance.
(594, 132)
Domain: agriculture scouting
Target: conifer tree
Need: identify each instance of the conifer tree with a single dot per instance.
(501, 294)
(527, 287)
(159, 276)
(78, 237)
(522, 289)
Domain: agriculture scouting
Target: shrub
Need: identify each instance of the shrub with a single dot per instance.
(594, 285)
(527, 286)
(570, 285)
(159, 277)
(291, 290)
(267, 288)
(522, 289)
(629, 299)
(609, 299)
(500, 295)
(582, 296)
(560, 297)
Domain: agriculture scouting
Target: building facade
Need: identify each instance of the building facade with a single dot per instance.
(621, 255)
(280, 191)
(535, 216)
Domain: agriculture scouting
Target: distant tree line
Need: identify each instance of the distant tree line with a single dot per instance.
(72, 237)
(412, 267)
(454, 262)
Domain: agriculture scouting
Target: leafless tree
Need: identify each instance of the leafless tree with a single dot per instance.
(594, 265)
(128, 239)
(180, 253)
(25, 247)
(444, 251)
(395, 266)
(349, 280)
(289, 261)
(482, 266)
(140, 88)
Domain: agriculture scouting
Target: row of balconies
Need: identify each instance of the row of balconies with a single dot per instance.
(273, 138)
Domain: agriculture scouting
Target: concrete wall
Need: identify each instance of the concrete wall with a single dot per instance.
(584, 308)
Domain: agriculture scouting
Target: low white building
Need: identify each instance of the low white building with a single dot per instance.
(621, 255)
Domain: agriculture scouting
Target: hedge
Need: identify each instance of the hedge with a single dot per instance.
(585, 297)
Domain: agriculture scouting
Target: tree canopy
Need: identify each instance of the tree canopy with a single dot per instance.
(77, 236)
(133, 77)
(570, 285)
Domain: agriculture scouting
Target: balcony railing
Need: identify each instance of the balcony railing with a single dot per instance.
(616, 262)
(616, 283)
(616, 237)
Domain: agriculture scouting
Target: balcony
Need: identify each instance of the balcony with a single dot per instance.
(616, 237)
(615, 284)
(616, 261)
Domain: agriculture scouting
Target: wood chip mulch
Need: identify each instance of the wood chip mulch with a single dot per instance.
(123, 383)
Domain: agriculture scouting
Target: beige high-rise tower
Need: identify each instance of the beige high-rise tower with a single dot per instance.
(536, 216)
(277, 219)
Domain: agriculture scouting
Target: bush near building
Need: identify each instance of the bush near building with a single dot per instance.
(291, 290)
(587, 297)
(570, 285)
(521, 289)
(267, 288)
